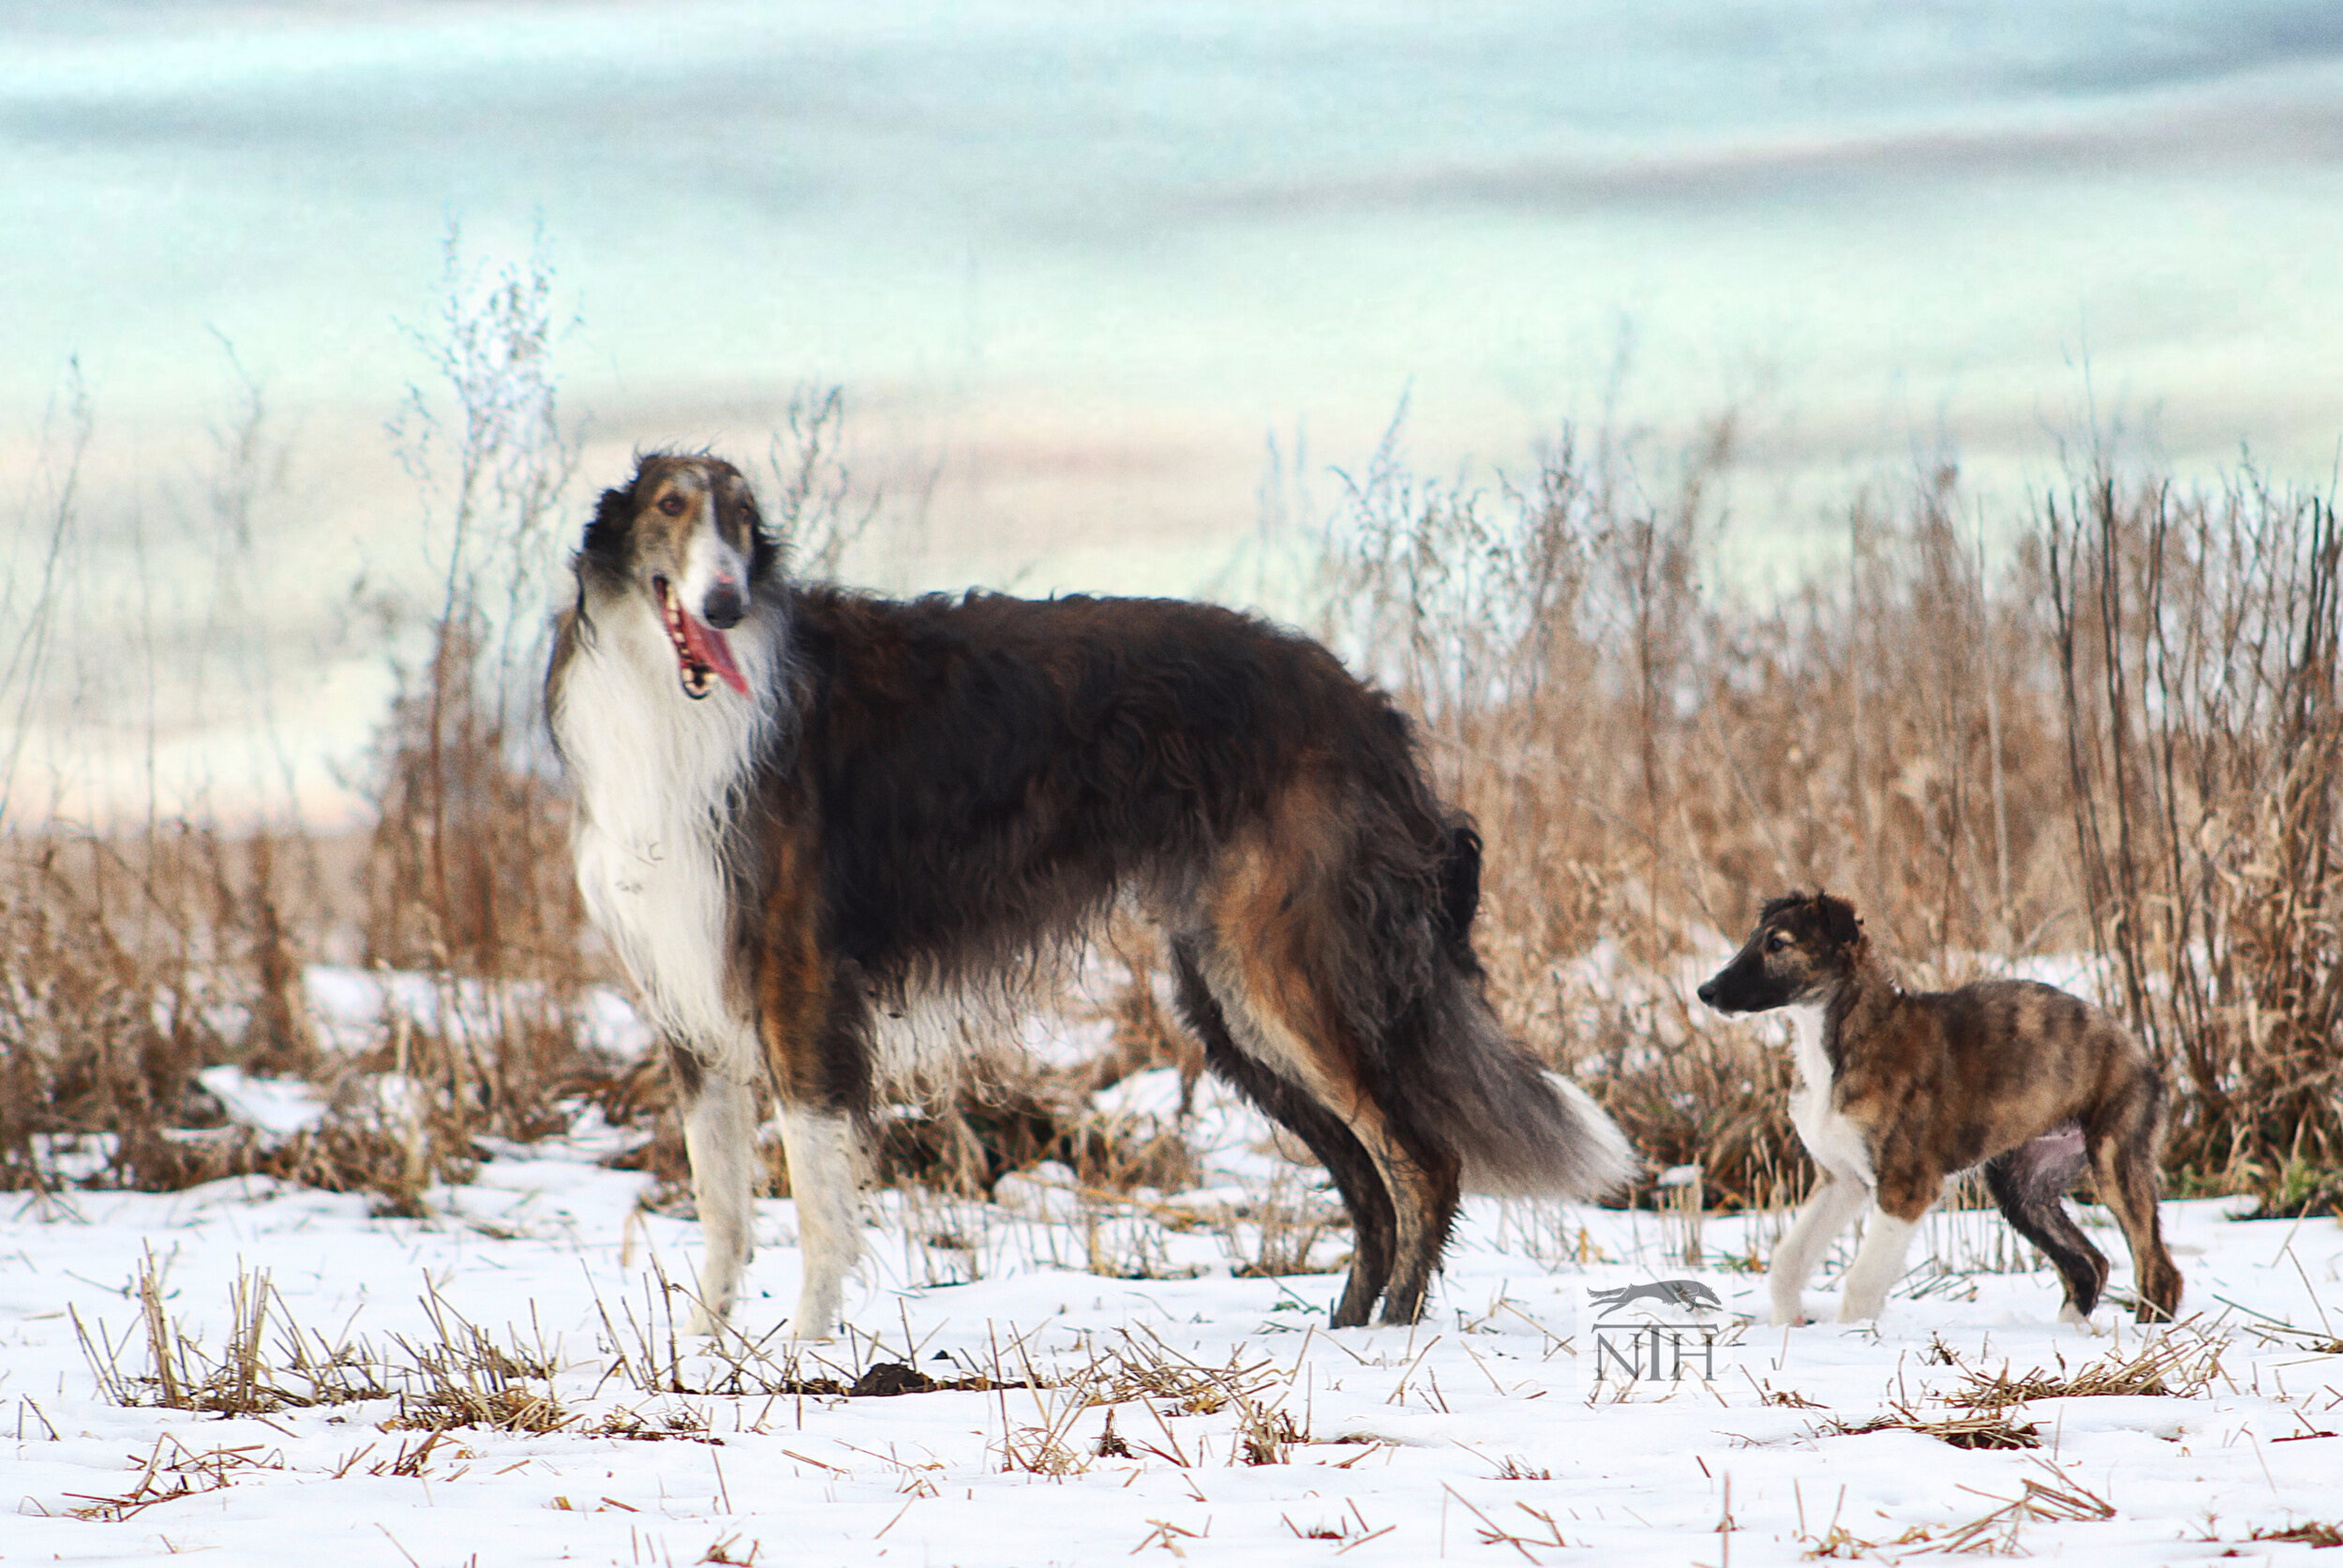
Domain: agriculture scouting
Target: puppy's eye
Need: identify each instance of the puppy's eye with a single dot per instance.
(672, 504)
(1778, 941)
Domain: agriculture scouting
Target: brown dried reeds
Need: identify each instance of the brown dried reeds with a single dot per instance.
(2196, 641)
(2107, 728)
(2168, 1365)
(455, 1375)
(126, 966)
(2114, 734)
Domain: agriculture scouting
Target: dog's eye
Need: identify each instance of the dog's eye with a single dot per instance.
(1778, 941)
(672, 504)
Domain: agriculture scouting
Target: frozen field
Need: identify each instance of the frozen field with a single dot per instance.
(1243, 1431)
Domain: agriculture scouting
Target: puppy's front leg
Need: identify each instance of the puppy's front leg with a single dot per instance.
(1878, 1264)
(1794, 1258)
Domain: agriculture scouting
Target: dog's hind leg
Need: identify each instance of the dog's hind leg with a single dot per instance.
(2029, 1183)
(1345, 1159)
(719, 1135)
(1297, 1038)
(2123, 1132)
(1285, 965)
(1426, 1192)
(1798, 1252)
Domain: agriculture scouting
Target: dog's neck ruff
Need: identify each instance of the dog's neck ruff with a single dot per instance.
(660, 780)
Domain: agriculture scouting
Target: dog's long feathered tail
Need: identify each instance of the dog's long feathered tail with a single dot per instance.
(1521, 1131)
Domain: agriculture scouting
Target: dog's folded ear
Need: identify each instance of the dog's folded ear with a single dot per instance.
(606, 533)
(1838, 919)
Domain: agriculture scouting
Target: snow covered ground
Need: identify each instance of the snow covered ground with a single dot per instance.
(1481, 1436)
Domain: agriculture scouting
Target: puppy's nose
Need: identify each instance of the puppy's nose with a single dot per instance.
(1708, 992)
(725, 605)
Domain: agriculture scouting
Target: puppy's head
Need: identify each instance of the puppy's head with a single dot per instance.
(1801, 950)
(686, 536)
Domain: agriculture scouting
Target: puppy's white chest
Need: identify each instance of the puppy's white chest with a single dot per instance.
(1835, 1142)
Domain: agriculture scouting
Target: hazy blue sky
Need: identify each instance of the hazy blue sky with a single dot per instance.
(1080, 261)
(1261, 210)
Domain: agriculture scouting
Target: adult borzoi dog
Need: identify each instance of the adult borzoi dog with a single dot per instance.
(1898, 1090)
(802, 810)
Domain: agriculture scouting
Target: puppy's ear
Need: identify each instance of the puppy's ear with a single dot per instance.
(1838, 920)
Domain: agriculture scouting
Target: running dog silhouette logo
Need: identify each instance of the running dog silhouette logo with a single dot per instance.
(1657, 1332)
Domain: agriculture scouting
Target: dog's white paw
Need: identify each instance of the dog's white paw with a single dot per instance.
(2066, 1314)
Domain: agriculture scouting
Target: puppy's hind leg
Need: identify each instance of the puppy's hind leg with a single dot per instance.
(2028, 1183)
(719, 1135)
(2122, 1135)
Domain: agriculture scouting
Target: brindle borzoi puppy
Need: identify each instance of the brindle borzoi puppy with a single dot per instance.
(808, 817)
(1898, 1090)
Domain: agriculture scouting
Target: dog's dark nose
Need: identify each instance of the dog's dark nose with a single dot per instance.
(1708, 992)
(725, 605)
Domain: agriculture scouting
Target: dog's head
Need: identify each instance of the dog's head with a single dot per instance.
(685, 534)
(1802, 949)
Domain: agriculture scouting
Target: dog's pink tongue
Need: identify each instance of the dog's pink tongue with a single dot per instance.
(709, 646)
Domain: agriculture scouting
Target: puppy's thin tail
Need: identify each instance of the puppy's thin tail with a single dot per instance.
(1520, 1130)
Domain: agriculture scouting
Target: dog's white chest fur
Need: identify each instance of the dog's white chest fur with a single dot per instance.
(657, 776)
(1835, 1142)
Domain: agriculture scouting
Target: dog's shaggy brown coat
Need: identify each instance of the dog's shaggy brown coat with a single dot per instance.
(803, 810)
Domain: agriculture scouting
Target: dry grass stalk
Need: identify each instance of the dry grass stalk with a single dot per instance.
(1987, 1428)
(1340, 1529)
(1142, 1367)
(2167, 1364)
(2060, 1500)
(2310, 1533)
(1284, 1222)
(2196, 641)
(1265, 1434)
(172, 1470)
(1546, 1535)
(457, 1376)
(181, 1375)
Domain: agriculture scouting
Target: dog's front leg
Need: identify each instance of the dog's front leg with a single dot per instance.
(813, 1018)
(1828, 1212)
(823, 1181)
(720, 1134)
